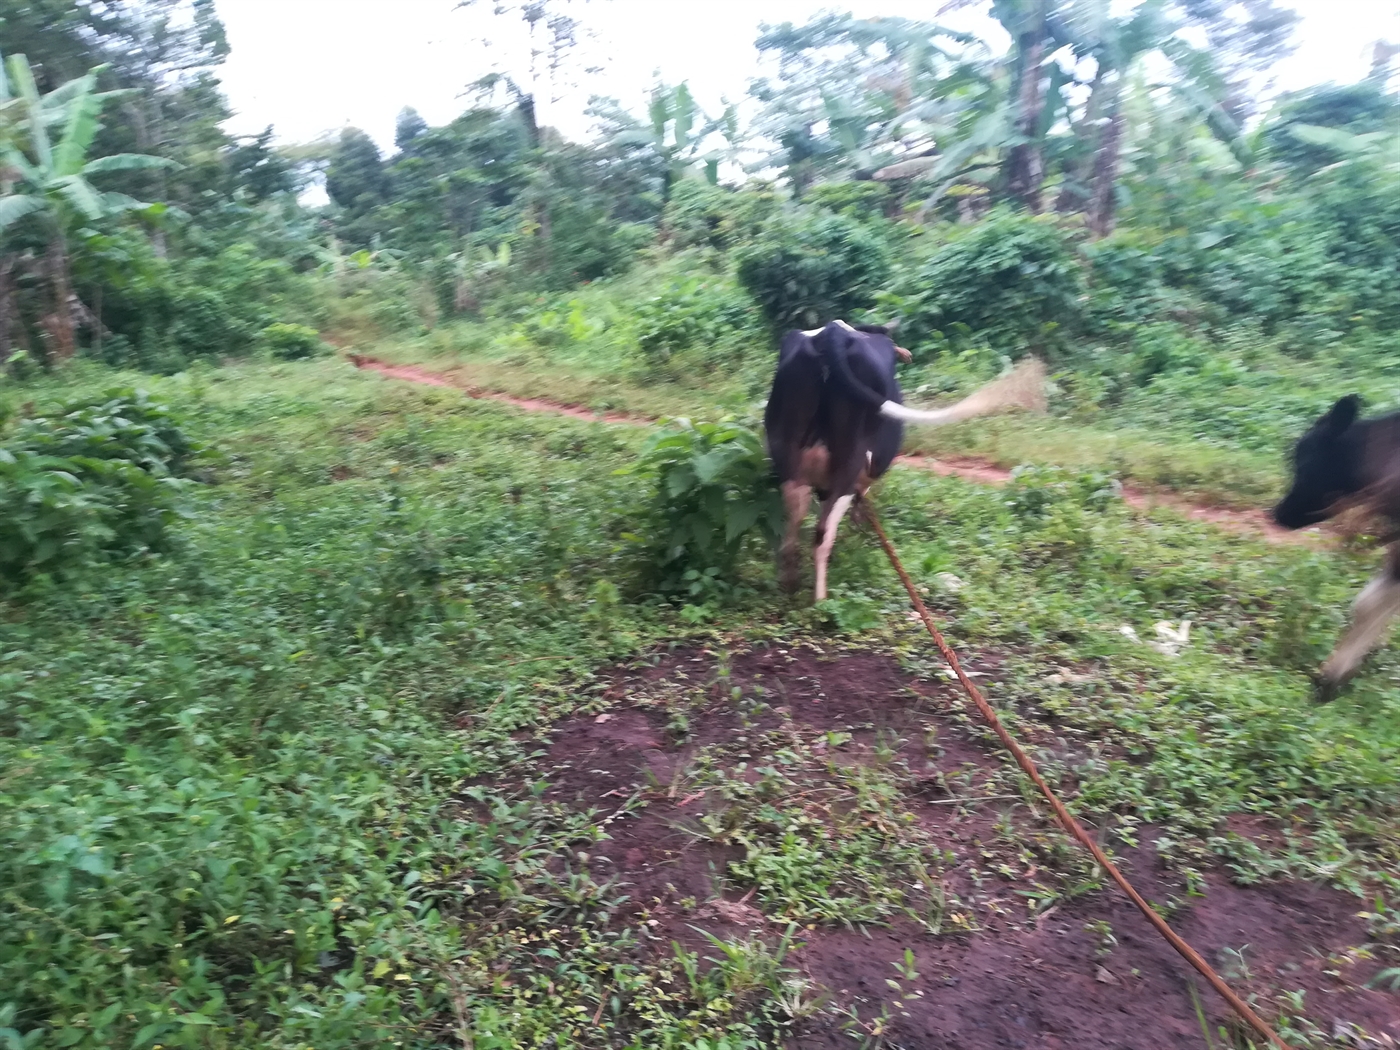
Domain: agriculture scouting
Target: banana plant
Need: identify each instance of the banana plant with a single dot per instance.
(48, 179)
(470, 270)
(678, 132)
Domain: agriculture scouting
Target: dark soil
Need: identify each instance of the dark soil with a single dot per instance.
(1018, 980)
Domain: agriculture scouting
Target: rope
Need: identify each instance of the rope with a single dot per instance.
(1065, 817)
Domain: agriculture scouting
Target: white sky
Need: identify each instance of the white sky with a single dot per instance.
(312, 66)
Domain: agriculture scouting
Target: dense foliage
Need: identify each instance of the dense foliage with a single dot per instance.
(100, 476)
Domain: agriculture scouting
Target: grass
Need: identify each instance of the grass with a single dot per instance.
(1208, 417)
(274, 789)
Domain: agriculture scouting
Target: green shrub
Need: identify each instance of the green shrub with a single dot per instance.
(48, 518)
(714, 487)
(95, 478)
(692, 312)
(121, 424)
(1034, 491)
(1013, 282)
(701, 215)
(808, 268)
(293, 342)
(865, 201)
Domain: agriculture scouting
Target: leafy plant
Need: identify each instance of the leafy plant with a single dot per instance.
(807, 268)
(714, 487)
(693, 313)
(99, 475)
(1033, 490)
(1013, 281)
(50, 181)
(293, 342)
(122, 423)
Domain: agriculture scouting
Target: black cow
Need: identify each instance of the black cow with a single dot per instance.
(834, 424)
(1339, 464)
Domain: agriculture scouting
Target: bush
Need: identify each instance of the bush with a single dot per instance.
(293, 342)
(701, 215)
(1033, 491)
(97, 477)
(692, 312)
(808, 268)
(714, 487)
(123, 423)
(865, 201)
(48, 518)
(1013, 281)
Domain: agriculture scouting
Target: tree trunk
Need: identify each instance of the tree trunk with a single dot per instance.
(58, 324)
(1074, 194)
(1025, 167)
(527, 113)
(1103, 196)
(7, 265)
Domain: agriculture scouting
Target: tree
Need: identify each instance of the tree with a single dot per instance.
(676, 134)
(1358, 108)
(1245, 39)
(407, 127)
(1028, 22)
(166, 51)
(855, 96)
(258, 170)
(355, 177)
(49, 183)
(551, 36)
(1115, 45)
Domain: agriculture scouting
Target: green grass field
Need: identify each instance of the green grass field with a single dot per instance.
(290, 785)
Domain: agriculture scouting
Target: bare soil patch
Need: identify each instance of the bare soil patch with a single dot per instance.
(1088, 972)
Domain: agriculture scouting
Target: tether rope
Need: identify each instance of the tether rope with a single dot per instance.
(1065, 817)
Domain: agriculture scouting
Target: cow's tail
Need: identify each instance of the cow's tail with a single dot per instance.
(1023, 387)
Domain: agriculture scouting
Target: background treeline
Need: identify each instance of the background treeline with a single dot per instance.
(1106, 192)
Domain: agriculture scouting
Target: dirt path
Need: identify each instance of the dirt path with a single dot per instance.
(1246, 522)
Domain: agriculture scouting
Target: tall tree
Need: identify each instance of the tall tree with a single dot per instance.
(355, 178)
(1028, 23)
(259, 170)
(1245, 40)
(543, 68)
(407, 127)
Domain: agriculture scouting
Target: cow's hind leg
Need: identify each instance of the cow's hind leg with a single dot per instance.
(1372, 612)
(833, 510)
(796, 497)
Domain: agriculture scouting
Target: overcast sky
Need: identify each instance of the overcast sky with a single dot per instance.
(312, 66)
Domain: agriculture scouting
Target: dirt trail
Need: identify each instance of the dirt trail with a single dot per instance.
(1248, 522)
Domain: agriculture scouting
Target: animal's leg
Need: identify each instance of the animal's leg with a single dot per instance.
(1372, 612)
(796, 497)
(833, 510)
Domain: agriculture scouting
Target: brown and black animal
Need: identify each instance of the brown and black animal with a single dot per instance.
(1345, 465)
(835, 421)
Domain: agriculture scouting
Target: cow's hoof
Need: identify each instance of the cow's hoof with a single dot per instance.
(1326, 689)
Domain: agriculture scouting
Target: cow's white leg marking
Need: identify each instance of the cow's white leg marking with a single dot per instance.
(796, 497)
(832, 513)
(1372, 612)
